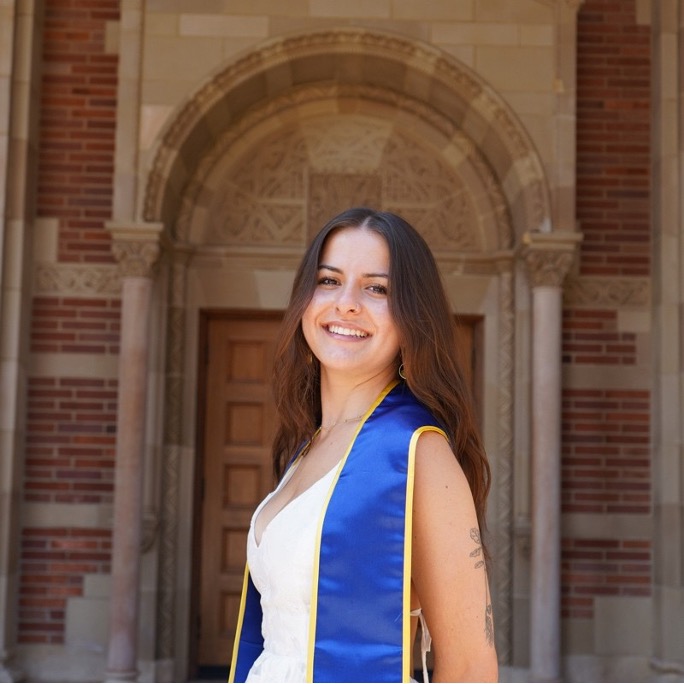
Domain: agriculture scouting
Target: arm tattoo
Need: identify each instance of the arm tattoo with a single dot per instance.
(478, 553)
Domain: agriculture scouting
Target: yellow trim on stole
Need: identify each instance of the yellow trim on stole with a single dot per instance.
(408, 548)
(238, 628)
(319, 534)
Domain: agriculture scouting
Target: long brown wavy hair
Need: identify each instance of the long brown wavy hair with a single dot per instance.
(427, 335)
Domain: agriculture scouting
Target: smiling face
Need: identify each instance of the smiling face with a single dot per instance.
(347, 323)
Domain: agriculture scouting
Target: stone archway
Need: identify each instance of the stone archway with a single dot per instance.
(271, 186)
(452, 95)
(282, 95)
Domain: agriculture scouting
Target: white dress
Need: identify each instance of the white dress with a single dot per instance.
(281, 566)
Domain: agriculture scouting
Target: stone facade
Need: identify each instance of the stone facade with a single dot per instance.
(167, 158)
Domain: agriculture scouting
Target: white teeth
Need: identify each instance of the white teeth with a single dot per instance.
(338, 330)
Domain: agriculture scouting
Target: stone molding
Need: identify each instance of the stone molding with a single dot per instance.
(502, 570)
(174, 378)
(136, 247)
(607, 293)
(549, 256)
(82, 280)
(574, 5)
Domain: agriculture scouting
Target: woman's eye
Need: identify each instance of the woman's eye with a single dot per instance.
(378, 289)
(327, 280)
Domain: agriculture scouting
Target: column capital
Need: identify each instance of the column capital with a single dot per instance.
(548, 256)
(136, 246)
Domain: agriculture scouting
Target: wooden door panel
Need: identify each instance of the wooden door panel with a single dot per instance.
(239, 422)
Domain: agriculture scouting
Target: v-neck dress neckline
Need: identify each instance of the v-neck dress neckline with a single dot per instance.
(281, 566)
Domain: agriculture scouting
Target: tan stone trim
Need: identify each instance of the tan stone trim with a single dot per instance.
(504, 490)
(607, 293)
(574, 5)
(51, 515)
(72, 279)
(589, 376)
(607, 526)
(136, 259)
(549, 256)
(136, 247)
(58, 365)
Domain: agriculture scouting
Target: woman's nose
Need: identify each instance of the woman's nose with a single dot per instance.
(348, 300)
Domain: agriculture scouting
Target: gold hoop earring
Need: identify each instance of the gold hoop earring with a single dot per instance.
(401, 372)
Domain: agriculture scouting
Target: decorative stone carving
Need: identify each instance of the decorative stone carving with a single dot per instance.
(150, 529)
(262, 197)
(136, 248)
(293, 106)
(353, 145)
(548, 268)
(331, 193)
(548, 257)
(503, 567)
(607, 293)
(136, 259)
(50, 278)
(171, 453)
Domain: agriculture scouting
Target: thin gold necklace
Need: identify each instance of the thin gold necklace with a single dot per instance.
(341, 422)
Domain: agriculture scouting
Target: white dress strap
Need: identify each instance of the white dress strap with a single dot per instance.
(425, 641)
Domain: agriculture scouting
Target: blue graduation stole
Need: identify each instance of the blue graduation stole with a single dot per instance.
(359, 629)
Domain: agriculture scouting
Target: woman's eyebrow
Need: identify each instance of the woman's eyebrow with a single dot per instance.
(334, 269)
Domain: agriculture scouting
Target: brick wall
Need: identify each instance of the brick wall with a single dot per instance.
(593, 337)
(613, 139)
(606, 455)
(77, 126)
(75, 325)
(53, 565)
(71, 430)
(603, 567)
(606, 451)
(71, 421)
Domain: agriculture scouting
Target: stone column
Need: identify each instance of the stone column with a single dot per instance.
(20, 36)
(548, 257)
(667, 329)
(136, 248)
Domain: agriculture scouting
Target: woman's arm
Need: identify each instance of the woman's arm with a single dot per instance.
(448, 569)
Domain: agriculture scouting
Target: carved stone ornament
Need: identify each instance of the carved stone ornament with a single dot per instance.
(76, 279)
(136, 249)
(548, 257)
(282, 186)
(607, 293)
(136, 259)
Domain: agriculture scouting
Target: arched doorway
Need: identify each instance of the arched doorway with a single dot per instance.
(279, 141)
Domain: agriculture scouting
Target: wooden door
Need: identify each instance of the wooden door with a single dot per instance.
(239, 418)
(238, 422)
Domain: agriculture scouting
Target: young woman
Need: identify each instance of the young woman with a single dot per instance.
(378, 518)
